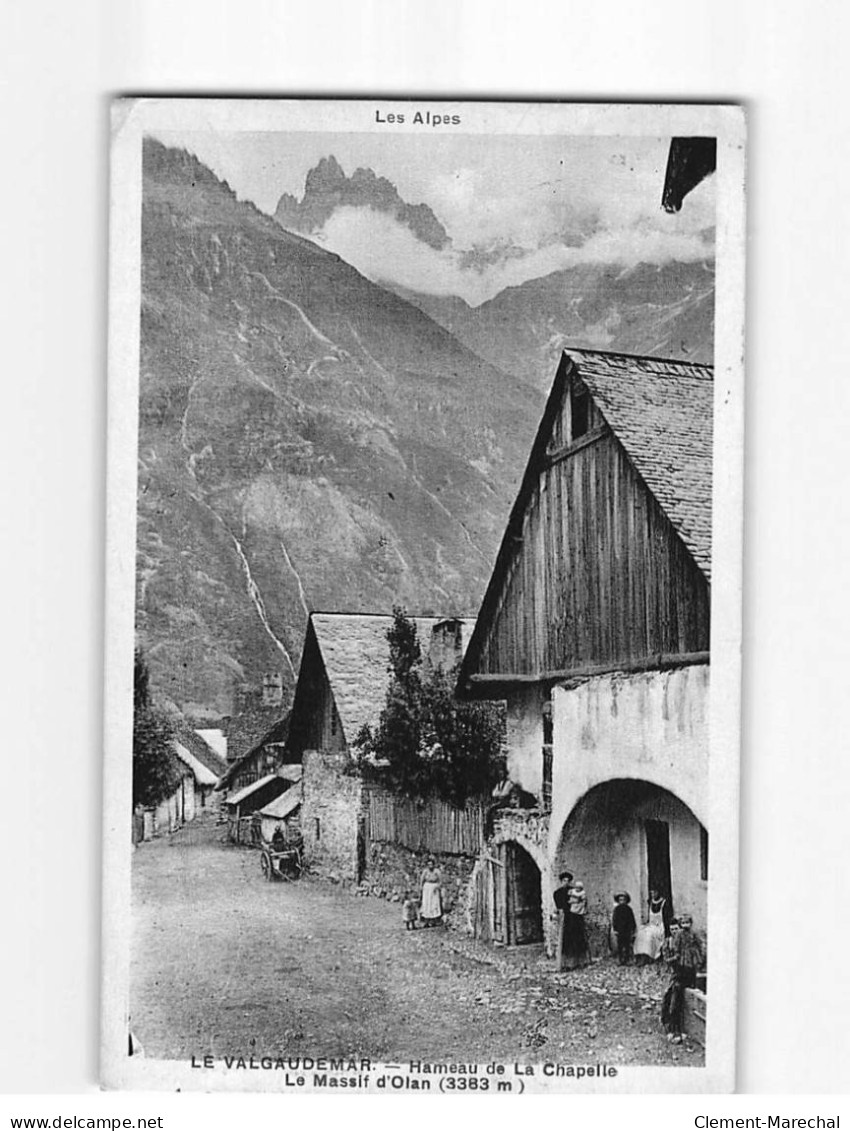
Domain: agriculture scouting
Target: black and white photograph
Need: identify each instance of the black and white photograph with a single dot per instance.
(424, 596)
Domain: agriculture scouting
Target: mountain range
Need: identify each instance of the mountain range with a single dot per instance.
(664, 309)
(311, 440)
(307, 440)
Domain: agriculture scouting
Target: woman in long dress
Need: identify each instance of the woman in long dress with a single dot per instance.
(650, 935)
(571, 902)
(430, 895)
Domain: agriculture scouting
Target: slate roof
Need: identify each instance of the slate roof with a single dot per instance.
(276, 734)
(662, 414)
(200, 750)
(356, 655)
(284, 805)
(203, 776)
(247, 790)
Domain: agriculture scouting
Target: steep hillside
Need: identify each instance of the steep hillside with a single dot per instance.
(665, 311)
(306, 441)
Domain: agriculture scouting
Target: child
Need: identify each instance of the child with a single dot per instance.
(578, 899)
(624, 926)
(409, 912)
(684, 955)
(690, 955)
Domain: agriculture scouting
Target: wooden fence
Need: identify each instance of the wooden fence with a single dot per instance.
(426, 826)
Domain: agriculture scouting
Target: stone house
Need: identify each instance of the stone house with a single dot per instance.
(206, 766)
(265, 756)
(255, 711)
(195, 769)
(342, 686)
(595, 631)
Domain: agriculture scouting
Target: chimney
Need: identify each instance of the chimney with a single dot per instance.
(446, 647)
(272, 689)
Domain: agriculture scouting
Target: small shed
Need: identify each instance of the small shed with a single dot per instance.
(284, 813)
(243, 805)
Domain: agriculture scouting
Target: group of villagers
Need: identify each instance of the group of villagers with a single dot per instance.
(663, 938)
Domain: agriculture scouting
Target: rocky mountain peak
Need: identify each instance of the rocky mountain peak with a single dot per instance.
(328, 174)
(327, 188)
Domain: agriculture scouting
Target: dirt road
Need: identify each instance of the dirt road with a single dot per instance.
(225, 964)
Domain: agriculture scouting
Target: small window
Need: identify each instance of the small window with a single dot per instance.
(703, 853)
(547, 725)
(546, 793)
(546, 796)
(580, 413)
(317, 828)
(333, 722)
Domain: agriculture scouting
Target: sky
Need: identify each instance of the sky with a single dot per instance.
(553, 201)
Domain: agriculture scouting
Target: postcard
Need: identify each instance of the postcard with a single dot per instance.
(424, 596)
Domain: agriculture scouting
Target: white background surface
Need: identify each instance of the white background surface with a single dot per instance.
(59, 64)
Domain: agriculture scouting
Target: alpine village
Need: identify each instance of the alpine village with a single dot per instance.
(420, 758)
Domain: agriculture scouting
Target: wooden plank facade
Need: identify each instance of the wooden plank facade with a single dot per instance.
(315, 723)
(592, 571)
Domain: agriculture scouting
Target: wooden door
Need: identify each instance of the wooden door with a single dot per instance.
(482, 925)
(500, 895)
(658, 860)
(525, 919)
(360, 850)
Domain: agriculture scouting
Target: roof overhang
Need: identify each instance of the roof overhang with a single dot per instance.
(499, 686)
(237, 798)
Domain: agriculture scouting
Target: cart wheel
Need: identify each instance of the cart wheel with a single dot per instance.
(266, 865)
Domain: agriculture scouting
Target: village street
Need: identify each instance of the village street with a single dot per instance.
(225, 964)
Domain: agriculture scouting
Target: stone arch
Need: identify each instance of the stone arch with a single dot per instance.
(534, 850)
(481, 879)
(615, 838)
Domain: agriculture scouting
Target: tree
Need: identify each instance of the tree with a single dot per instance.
(463, 741)
(154, 776)
(427, 744)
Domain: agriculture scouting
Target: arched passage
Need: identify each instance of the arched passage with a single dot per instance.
(631, 835)
(508, 895)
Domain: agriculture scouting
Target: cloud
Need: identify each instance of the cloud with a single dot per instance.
(479, 209)
(591, 187)
(386, 251)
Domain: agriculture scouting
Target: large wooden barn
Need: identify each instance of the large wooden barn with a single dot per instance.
(595, 630)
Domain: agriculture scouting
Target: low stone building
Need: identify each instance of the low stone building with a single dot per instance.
(595, 630)
(195, 769)
(342, 686)
(206, 767)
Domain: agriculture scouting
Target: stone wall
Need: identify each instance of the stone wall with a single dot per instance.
(331, 807)
(392, 870)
